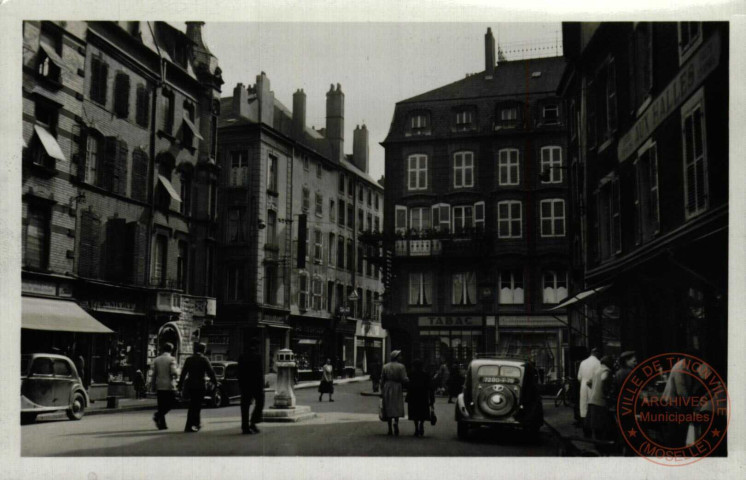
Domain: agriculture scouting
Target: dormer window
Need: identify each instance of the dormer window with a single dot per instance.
(419, 124)
(419, 121)
(507, 115)
(550, 114)
(464, 119)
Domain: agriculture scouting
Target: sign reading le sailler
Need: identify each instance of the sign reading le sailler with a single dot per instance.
(679, 89)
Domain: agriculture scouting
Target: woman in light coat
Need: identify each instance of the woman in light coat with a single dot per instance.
(393, 379)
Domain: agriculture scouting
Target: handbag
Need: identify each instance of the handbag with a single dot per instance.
(433, 417)
(381, 414)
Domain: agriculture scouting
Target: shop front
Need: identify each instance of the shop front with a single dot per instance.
(454, 339)
(538, 338)
(370, 346)
(308, 343)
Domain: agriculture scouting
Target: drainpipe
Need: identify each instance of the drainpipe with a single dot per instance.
(151, 166)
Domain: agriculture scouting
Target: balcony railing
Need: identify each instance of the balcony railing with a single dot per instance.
(418, 248)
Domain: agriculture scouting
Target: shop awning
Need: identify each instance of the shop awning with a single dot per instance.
(308, 341)
(192, 127)
(54, 57)
(580, 297)
(58, 315)
(369, 329)
(169, 188)
(49, 142)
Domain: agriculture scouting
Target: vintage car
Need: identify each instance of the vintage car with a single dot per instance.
(499, 391)
(51, 383)
(227, 388)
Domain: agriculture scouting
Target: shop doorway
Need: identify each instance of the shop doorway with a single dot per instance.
(170, 333)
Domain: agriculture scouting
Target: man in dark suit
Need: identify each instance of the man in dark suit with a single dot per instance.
(251, 382)
(194, 371)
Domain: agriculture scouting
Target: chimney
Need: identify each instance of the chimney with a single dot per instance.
(240, 101)
(489, 54)
(266, 98)
(299, 114)
(194, 32)
(360, 149)
(335, 122)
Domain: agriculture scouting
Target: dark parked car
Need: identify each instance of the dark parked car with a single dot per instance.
(50, 383)
(499, 392)
(227, 389)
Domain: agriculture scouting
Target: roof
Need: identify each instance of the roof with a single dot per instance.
(510, 78)
(478, 362)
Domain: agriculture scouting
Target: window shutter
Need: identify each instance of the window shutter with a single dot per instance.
(139, 175)
(122, 95)
(82, 154)
(136, 253)
(89, 246)
(116, 249)
(143, 100)
(120, 168)
(109, 163)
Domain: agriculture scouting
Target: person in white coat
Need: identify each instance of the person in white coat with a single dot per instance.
(586, 370)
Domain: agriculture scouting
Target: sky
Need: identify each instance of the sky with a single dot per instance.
(377, 64)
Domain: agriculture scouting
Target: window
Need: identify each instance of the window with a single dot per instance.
(142, 115)
(591, 127)
(463, 169)
(306, 163)
(341, 215)
(508, 167)
(319, 169)
(99, 74)
(350, 215)
(167, 111)
(342, 183)
(370, 197)
(608, 218)
(360, 220)
(550, 114)
(350, 255)
(236, 225)
(555, 286)
(464, 289)
(695, 156)
(641, 64)
(62, 369)
(647, 208)
(509, 219)
(332, 211)
(302, 290)
(552, 218)
(318, 246)
(209, 265)
(341, 252)
(376, 224)
(509, 115)
(464, 117)
(272, 173)
(479, 216)
(463, 218)
(417, 172)
(360, 260)
(376, 201)
(239, 168)
(46, 114)
(272, 227)
(511, 287)
(158, 274)
(50, 55)
(400, 219)
(441, 217)
(571, 120)
(319, 205)
(421, 288)
(186, 192)
(350, 188)
(317, 289)
(182, 262)
(419, 124)
(611, 105)
(360, 194)
(122, 95)
(188, 130)
(331, 246)
(270, 284)
(551, 164)
(235, 282)
(93, 154)
(419, 218)
(690, 36)
(306, 199)
(36, 237)
(369, 221)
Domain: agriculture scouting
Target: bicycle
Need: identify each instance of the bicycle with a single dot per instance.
(561, 397)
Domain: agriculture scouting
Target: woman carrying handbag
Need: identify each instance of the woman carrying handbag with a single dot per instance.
(421, 398)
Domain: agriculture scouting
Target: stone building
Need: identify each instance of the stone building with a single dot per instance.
(281, 181)
(476, 217)
(649, 150)
(126, 220)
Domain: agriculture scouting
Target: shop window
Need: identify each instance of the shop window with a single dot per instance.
(463, 169)
(511, 288)
(508, 166)
(421, 288)
(464, 288)
(552, 217)
(696, 186)
(554, 286)
(510, 219)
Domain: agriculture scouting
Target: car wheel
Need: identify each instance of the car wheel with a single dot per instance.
(27, 418)
(218, 400)
(77, 407)
(462, 430)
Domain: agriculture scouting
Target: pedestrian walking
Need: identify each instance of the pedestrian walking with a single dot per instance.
(420, 397)
(586, 370)
(327, 380)
(441, 377)
(162, 383)
(600, 419)
(678, 388)
(138, 382)
(393, 379)
(455, 382)
(627, 362)
(192, 377)
(374, 369)
(251, 383)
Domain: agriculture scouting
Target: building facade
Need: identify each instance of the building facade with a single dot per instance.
(649, 150)
(291, 206)
(476, 217)
(120, 124)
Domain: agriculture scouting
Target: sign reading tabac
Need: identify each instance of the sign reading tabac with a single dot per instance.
(450, 321)
(679, 89)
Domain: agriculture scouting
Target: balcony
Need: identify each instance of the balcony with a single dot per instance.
(418, 248)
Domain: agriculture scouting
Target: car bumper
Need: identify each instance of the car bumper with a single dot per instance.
(467, 415)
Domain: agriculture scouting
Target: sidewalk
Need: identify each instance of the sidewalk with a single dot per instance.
(560, 421)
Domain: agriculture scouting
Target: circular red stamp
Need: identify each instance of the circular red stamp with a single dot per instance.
(673, 409)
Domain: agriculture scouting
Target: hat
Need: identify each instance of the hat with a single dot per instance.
(395, 354)
(627, 354)
(595, 350)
